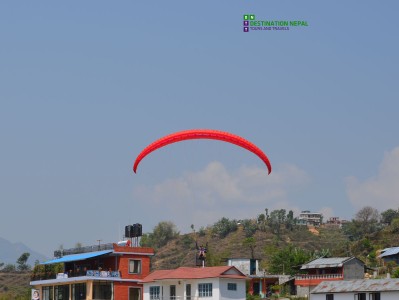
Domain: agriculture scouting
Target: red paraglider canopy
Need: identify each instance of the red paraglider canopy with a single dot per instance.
(202, 134)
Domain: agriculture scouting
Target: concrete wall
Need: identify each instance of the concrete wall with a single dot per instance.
(243, 264)
(303, 291)
(225, 294)
(353, 269)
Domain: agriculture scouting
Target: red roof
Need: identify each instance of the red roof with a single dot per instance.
(196, 273)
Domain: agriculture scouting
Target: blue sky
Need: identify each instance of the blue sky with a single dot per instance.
(86, 85)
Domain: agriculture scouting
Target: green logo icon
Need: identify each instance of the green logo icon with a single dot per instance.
(246, 17)
(252, 17)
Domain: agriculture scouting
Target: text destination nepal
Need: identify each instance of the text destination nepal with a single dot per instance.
(278, 23)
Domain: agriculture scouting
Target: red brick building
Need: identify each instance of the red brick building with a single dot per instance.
(112, 272)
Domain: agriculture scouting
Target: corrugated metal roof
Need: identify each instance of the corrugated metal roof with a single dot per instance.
(330, 262)
(389, 251)
(360, 285)
(75, 257)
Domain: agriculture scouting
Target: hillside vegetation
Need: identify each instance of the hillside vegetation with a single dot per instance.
(268, 235)
(274, 238)
(15, 285)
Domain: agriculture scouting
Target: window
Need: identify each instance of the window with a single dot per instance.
(330, 297)
(102, 290)
(154, 292)
(172, 292)
(61, 292)
(47, 293)
(79, 291)
(375, 296)
(360, 296)
(205, 289)
(134, 266)
(232, 286)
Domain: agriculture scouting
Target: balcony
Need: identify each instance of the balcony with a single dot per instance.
(88, 273)
(63, 252)
(319, 276)
(310, 280)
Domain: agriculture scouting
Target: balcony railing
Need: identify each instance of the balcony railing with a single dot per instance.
(88, 273)
(63, 252)
(319, 276)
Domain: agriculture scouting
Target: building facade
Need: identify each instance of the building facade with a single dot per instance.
(327, 269)
(113, 272)
(365, 289)
(390, 255)
(210, 283)
(260, 282)
(306, 217)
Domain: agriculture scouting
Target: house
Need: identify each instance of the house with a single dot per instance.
(327, 269)
(335, 222)
(310, 218)
(185, 283)
(390, 255)
(362, 289)
(107, 272)
(260, 283)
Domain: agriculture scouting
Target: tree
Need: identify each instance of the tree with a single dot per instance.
(276, 219)
(368, 218)
(353, 230)
(388, 216)
(250, 243)
(224, 226)
(9, 268)
(164, 232)
(290, 220)
(22, 262)
(249, 227)
(288, 260)
(395, 225)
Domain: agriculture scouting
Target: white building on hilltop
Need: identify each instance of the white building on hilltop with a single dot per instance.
(310, 218)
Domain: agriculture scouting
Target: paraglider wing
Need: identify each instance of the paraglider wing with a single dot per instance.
(202, 134)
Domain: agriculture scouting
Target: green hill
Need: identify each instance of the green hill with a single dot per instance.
(15, 286)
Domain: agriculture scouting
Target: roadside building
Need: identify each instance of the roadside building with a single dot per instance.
(107, 272)
(390, 255)
(327, 269)
(363, 289)
(184, 283)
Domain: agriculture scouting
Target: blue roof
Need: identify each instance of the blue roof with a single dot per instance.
(389, 251)
(75, 257)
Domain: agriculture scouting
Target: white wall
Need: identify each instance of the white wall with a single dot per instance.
(243, 264)
(181, 288)
(219, 289)
(350, 296)
(239, 294)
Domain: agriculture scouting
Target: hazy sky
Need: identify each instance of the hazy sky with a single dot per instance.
(86, 85)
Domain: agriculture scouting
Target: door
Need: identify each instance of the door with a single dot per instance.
(188, 291)
(172, 292)
(256, 288)
(134, 293)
